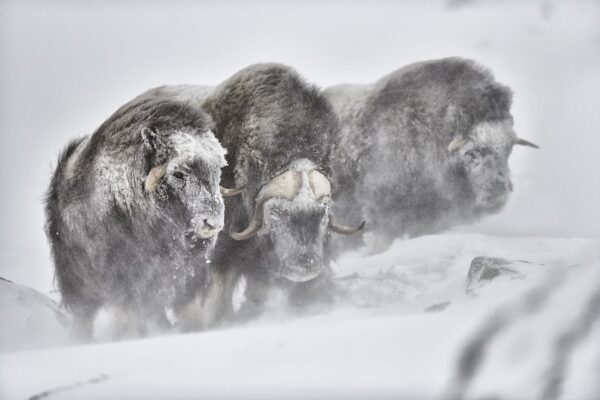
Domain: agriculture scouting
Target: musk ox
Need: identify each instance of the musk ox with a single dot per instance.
(132, 211)
(277, 130)
(424, 148)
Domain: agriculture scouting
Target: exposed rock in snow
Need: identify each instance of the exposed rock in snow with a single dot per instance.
(29, 319)
(485, 269)
(536, 346)
(438, 307)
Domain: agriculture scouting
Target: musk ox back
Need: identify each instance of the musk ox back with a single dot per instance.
(132, 212)
(423, 149)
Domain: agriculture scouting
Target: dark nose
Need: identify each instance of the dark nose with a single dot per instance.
(212, 223)
(194, 241)
(209, 224)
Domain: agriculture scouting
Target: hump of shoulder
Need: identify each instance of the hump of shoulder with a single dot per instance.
(159, 114)
(445, 71)
(435, 84)
(193, 95)
(262, 81)
(171, 114)
(267, 74)
(265, 92)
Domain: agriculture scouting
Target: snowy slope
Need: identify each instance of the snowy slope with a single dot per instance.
(29, 319)
(529, 334)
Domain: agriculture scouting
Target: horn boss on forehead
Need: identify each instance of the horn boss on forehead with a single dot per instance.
(285, 186)
(319, 184)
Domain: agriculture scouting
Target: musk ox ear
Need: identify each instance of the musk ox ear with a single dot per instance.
(154, 177)
(149, 139)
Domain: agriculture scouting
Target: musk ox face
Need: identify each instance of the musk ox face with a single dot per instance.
(291, 221)
(297, 231)
(484, 158)
(185, 186)
(488, 172)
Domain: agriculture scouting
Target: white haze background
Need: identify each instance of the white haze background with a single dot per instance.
(65, 66)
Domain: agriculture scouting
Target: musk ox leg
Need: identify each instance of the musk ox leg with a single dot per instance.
(82, 327)
(209, 302)
(189, 314)
(256, 294)
(187, 306)
(154, 318)
(158, 322)
(127, 324)
(71, 270)
(131, 322)
(217, 305)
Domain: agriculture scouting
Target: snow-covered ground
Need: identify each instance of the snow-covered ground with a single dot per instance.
(405, 326)
(29, 319)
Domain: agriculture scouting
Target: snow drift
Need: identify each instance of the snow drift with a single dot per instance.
(405, 327)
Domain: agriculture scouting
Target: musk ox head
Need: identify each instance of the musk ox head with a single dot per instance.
(184, 184)
(483, 156)
(292, 217)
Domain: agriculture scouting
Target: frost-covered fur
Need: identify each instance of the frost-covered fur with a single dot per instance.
(391, 161)
(116, 244)
(270, 120)
(193, 95)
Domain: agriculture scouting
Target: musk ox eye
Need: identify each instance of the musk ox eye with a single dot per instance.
(178, 175)
(275, 211)
(471, 156)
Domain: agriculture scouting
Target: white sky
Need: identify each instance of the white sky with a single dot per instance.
(65, 66)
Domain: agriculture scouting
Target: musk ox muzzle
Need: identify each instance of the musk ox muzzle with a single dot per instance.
(207, 231)
(302, 268)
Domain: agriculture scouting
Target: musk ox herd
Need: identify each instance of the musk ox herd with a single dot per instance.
(186, 191)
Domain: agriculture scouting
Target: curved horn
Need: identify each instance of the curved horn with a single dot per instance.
(456, 144)
(285, 186)
(344, 230)
(230, 192)
(524, 142)
(154, 176)
(253, 226)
